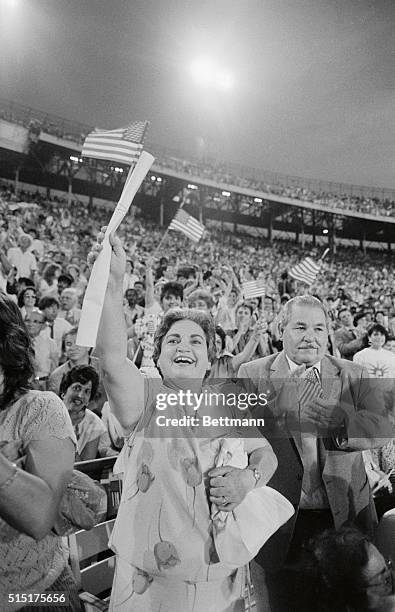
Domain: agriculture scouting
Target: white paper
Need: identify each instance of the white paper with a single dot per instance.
(94, 296)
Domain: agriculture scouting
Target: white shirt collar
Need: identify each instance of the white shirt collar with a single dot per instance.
(294, 366)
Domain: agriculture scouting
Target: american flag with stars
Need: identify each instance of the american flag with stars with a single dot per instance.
(254, 288)
(122, 145)
(188, 225)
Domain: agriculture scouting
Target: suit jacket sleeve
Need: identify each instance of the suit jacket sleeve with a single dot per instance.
(367, 425)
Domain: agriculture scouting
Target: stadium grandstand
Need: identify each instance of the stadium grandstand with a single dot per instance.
(265, 238)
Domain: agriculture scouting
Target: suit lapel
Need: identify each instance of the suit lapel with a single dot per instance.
(285, 407)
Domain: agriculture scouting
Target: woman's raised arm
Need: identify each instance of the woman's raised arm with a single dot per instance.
(123, 382)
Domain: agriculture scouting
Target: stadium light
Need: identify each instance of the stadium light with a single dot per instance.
(325, 231)
(207, 73)
(225, 80)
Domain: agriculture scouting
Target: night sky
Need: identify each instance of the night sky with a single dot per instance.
(314, 91)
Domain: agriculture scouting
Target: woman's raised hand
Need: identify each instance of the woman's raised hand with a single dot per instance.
(118, 255)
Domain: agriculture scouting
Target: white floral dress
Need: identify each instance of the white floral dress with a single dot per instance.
(166, 558)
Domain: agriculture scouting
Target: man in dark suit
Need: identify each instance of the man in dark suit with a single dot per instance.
(349, 340)
(321, 413)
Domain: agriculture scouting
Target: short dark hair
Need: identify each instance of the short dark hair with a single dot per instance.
(338, 558)
(81, 374)
(48, 301)
(172, 288)
(245, 305)
(16, 352)
(377, 327)
(221, 333)
(66, 278)
(201, 318)
(22, 293)
(359, 316)
(128, 290)
(26, 281)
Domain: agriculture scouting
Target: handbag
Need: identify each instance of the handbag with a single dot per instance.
(83, 505)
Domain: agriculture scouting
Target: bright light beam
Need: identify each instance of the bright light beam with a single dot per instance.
(207, 73)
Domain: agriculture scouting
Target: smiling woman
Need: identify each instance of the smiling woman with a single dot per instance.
(78, 386)
(163, 537)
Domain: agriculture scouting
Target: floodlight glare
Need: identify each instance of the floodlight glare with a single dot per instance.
(208, 73)
(203, 71)
(224, 80)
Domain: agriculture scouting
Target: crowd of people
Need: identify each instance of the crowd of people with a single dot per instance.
(213, 170)
(217, 171)
(173, 318)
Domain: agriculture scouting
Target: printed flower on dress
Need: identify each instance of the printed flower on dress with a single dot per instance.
(146, 453)
(166, 555)
(144, 478)
(176, 449)
(191, 471)
(141, 581)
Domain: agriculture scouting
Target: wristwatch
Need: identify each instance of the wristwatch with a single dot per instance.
(257, 475)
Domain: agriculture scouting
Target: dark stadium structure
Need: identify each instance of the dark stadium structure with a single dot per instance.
(45, 150)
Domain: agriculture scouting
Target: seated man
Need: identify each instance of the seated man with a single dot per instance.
(46, 356)
(69, 305)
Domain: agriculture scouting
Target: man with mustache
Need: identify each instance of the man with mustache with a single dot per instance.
(321, 413)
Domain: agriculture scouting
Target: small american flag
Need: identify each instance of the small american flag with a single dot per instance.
(188, 225)
(305, 271)
(310, 386)
(252, 289)
(123, 145)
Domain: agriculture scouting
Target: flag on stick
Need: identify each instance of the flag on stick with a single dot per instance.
(188, 225)
(305, 271)
(123, 145)
(252, 289)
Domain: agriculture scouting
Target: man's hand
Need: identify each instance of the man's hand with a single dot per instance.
(229, 486)
(323, 415)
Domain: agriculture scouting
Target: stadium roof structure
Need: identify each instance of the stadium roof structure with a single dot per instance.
(45, 150)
